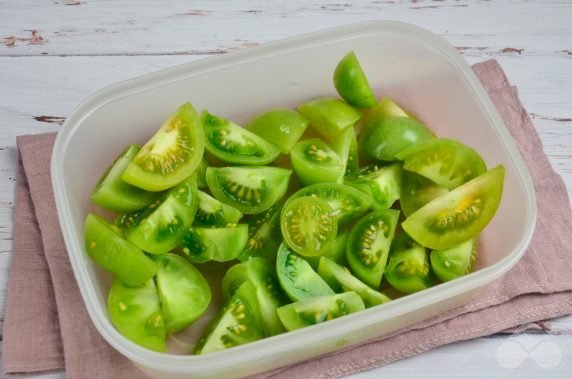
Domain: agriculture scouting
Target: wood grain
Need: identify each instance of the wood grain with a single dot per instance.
(53, 54)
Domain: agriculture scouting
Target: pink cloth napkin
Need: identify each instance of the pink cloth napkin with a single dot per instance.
(47, 328)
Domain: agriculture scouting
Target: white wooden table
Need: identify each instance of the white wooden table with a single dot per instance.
(55, 53)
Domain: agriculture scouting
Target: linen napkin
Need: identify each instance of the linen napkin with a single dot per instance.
(46, 326)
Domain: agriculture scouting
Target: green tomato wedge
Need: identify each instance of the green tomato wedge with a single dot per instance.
(249, 189)
(315, 162)
(297, 278)
(105, 245)
(447, 162)
(308, 225)
(264, 235)
(159, 228)
(351, 83)
(454, 262)
(386, 108)
(345, 145)
(330, 116)
(459, 215)
(113, 193)
(416, 191)
(347, 203)
(200, 245)
(237, 323)
(319, 309)
(261, 273)
(281, 127)
(213, 213)
(201, 173)
(382, 140)
(408, 268)
(183, 292)
(368, 245)
(336, 252)
(382, 185)
(135, 313)
(171, 155)
(234, 144)
(341, 280)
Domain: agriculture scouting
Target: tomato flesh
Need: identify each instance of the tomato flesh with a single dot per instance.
(383, 185)
(264, 235)
(459, 215)
(200, 245)
(315, 162)
(213, 213)
(416, 191)
(329, 116)
(454, 262)
(281, 127)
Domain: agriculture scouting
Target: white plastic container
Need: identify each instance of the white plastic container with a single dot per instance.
(415, 67)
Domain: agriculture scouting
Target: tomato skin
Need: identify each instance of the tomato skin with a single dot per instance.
(111, 192)
(281, 127)
(447, 162)
(368, 245)
(237, 323)
(452, 263)
(341, 280)
(105, 245)
(200, 245)
(233, 144)
(183, 292)
(308, 225)
(315, 162)
(459, 215)
(160, 227)
(329, 116)
(135, 313)
(154, 170)
(249, 189)
(351, 83)
(382, 140)
(408, 269)
(319, 309)
(262, 274)
(297, 278)
(416, 191)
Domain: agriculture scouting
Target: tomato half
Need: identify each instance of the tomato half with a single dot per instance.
(234, 144)
(459, 215)
(171, 155)
(446, 162)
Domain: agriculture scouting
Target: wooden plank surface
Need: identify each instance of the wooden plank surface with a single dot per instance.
(55, 53)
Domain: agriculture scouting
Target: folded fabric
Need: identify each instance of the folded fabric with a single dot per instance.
(47, 328)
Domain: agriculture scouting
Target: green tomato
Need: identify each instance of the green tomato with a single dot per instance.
(454, 262)
(336, 252)
(319, 309)
(352, 84)
(171, 155)
(446, 162)
(281, 127)
(368, 245)
(308, 225)
(297, 278)
(383, 185)
(329, 116)
(183, 292)
(113, 193)
(341, 280)
(201, 173)
(237, 323)
(200, 245)
(416, 191)
(105, 245)
(213, 213)
(345, 145)
(249, 189)
(135, 313)
(264, 235)
(408, 268)
(234, 144)
(262, 274)
(384, 139)
(347, 203)
(160, 227)
(459, 215)
(315, 162)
